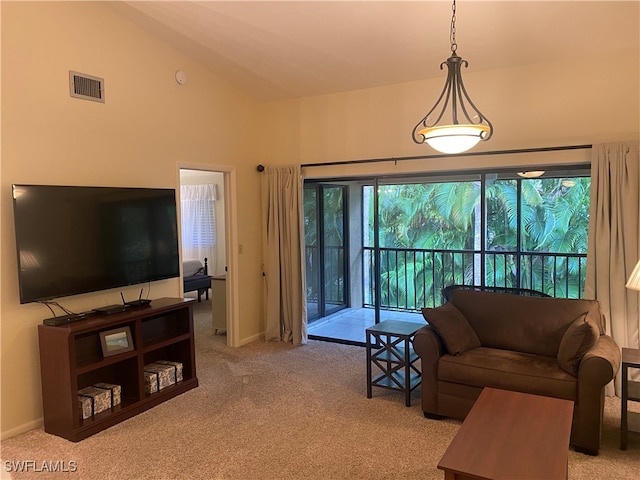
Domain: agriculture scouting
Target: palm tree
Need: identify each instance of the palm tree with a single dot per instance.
(430, 233)
(442, 216)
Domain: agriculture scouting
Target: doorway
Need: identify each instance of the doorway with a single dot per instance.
(203, 233)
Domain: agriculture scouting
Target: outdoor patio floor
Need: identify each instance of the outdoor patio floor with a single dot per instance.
(350, 324)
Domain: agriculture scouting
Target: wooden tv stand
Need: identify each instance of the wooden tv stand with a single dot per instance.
(71, 358)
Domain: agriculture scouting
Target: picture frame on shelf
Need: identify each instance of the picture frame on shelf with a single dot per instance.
(116, 341)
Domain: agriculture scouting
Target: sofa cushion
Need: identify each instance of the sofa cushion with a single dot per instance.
(508, 370)
(524, 324)
(456, 333)
(581, 335)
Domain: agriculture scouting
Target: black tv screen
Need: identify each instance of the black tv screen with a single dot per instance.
(73, 239)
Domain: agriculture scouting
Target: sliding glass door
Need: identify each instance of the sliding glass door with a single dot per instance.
(408, 238)
(537, 232)
(325, 249)
(429, 235)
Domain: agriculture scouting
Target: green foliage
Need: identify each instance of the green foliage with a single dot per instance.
(430, 236)
(325, 203)
(553, 219)
(430, 215)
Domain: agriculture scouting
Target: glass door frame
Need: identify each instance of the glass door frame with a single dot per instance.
(322, 310)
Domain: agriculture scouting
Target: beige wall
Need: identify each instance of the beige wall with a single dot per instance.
(148, 126)
(583, 101)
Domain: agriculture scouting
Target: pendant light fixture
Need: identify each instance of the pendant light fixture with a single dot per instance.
(531, 173)
(453, 106)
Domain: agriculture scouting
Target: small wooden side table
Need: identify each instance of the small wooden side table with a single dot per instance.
(389, 348)
(629, 421)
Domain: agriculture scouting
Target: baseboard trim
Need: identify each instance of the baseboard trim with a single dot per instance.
(26, 427)
(251, 339)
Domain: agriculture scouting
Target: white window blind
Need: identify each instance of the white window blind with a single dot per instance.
(198, 221)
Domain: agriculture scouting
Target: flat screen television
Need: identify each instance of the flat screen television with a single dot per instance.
(80, 239)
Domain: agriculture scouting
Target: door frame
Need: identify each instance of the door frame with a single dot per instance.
(320, 230)
(231, 238)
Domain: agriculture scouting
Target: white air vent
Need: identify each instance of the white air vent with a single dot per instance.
(86, 86)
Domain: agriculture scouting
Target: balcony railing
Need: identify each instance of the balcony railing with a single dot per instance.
(411, 279)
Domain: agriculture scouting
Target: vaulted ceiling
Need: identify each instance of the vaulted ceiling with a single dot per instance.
(286, 49)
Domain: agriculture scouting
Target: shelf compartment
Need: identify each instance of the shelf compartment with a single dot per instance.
(88, 349)
(105, 362)
(166, 343)
(160, 328)
(123, 373)
(175, 352)
(166, 390)
(124, 405)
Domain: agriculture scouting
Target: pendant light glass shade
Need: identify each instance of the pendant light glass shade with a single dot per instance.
(454, 138)
(531, 173)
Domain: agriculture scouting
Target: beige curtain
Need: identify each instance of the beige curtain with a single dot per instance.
(614, 245)
(284, 293)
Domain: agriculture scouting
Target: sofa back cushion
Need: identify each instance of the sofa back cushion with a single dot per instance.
(526, 324)
(577, 340)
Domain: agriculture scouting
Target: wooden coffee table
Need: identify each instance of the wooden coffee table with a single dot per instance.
(509, 435)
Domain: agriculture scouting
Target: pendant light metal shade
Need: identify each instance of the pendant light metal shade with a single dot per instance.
(454, 124)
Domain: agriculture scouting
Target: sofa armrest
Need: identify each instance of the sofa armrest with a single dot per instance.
(601, 363)
(429, 347)
(598, 367)
(428, 344)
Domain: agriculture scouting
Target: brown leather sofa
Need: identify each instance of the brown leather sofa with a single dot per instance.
(544, 346)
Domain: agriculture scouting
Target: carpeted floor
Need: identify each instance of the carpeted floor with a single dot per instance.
(272, 411)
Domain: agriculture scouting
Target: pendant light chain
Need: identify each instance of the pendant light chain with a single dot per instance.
(452, 36)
